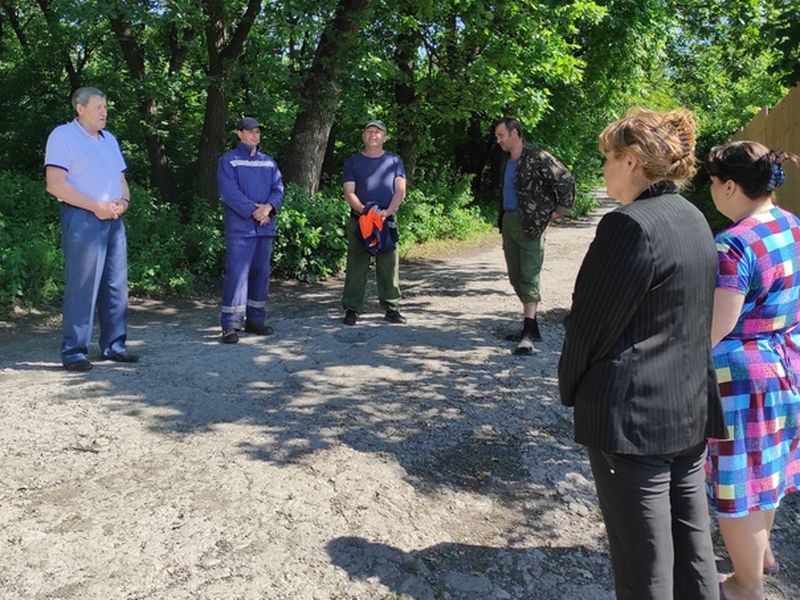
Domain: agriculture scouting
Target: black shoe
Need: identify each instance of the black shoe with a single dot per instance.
(122, 357)
(525, 345)
(350, 317)
(259, 329)
(229, 337)
(394, 317)
(80, 366)
(532, 327)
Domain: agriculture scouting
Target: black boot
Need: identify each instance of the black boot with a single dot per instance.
(531, 327)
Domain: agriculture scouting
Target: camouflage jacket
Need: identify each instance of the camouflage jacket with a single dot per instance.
(543, 187)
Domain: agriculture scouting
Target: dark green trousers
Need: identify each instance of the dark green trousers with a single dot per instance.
(387, 276)
(524, 258)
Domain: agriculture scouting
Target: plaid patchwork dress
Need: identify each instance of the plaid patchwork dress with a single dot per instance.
(757, 367)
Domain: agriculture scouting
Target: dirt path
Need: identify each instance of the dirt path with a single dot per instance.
(375, 462)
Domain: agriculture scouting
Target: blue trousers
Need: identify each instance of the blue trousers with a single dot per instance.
(95, 275)
(246, 283)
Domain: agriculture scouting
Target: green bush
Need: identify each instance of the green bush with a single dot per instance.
(157, 242)
(205, 242)
(172, 253)
(164, 256)
(585, 202)
(311, 243)
(440, 207)
(31, 272)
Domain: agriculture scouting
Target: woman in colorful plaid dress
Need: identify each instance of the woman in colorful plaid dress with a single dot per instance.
(756, 334)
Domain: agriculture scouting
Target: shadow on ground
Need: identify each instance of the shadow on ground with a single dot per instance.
(443, 397)
(469, 572)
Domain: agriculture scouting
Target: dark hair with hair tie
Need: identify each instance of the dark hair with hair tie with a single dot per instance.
(777, 177)
(754, 167)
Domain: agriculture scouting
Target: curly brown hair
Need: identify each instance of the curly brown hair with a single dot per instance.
(663, 142)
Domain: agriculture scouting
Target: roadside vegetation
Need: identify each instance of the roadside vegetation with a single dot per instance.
(179, 74)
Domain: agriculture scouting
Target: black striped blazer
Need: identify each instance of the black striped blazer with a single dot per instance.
(636, 362)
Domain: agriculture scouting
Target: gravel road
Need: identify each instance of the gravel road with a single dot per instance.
(325, 462)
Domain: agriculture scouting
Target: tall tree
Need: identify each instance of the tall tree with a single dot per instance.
(405, 89)
(437, 72)
(223, 49)
(133, 51)
(320, 94)
(73, 69)
(786, 32)
(723, 68)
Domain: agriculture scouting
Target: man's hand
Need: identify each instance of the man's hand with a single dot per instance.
(262, 213)
(122, 206)
(387, 212)
(555, 216)
(106, 210)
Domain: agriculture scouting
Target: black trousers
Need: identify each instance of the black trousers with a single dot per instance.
(656, 516)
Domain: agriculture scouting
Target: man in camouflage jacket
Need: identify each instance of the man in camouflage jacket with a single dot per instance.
(536, 188)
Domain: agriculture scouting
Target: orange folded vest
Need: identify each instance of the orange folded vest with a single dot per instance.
(379, 236)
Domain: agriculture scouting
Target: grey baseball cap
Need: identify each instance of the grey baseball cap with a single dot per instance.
(247, 123)
(376, 123)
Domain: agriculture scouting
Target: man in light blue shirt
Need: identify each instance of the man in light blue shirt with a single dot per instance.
(85, 171)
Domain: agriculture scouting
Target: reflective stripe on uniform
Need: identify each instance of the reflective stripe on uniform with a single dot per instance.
(233, 309)
(252, 163)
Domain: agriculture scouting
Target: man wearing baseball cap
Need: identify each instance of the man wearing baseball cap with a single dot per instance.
(251, 188)
(373, 179)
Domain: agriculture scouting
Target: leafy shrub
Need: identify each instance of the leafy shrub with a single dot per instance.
(585, 202)
(157, 247)
(205, 242)
(311, 243)
(31, 261)
(312, 239)
(164, 256)
(170, 252)
(440, 207)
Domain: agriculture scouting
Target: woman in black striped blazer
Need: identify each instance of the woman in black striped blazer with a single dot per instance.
(636, 362)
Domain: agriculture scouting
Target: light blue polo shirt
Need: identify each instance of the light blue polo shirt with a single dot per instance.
(94, 165)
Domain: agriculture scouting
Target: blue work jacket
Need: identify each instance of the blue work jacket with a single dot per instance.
(245, 180)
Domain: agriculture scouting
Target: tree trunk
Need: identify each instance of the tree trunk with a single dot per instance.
(329, 173)
(74, 72)
(13, 19)
(320, 95)
(220, 56)
(161, 176)
(405, 94)
(212, 137)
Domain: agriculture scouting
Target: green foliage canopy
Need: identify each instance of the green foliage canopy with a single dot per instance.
(439, 74)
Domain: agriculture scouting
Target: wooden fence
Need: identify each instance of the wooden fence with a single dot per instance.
(779, 128)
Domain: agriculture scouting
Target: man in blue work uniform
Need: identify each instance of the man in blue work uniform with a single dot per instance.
(372, 178)
(85, 170)
(250, 186)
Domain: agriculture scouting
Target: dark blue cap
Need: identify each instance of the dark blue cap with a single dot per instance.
(247, 123)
